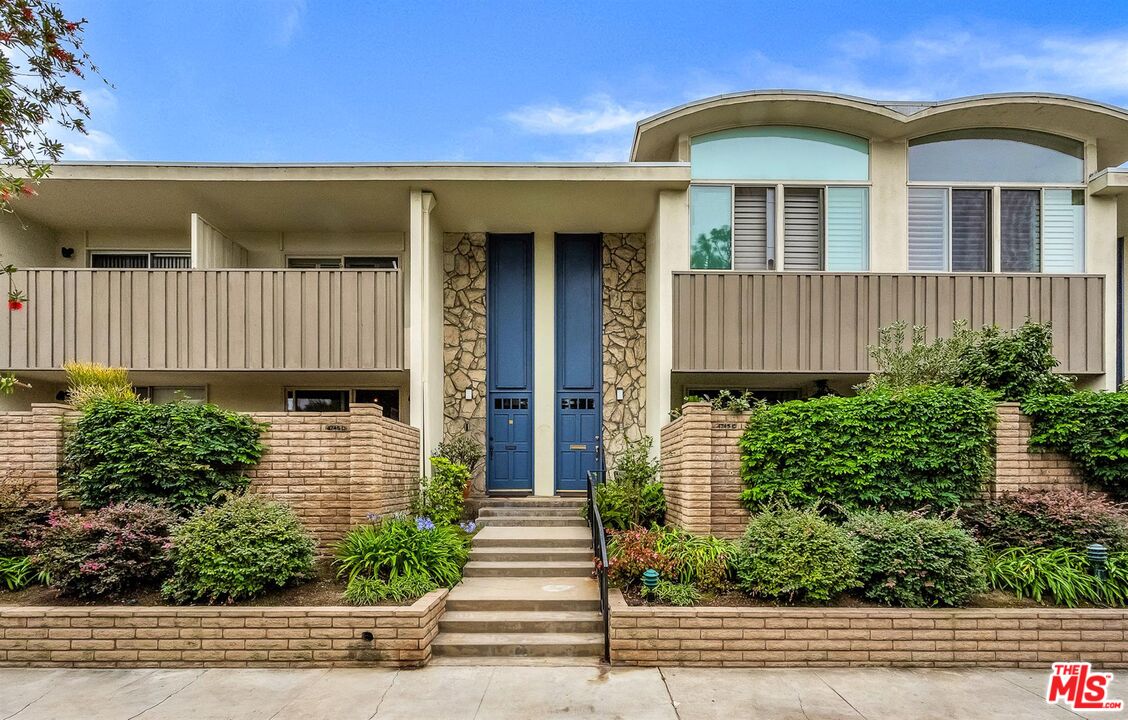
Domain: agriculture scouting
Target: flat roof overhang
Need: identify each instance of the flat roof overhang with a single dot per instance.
(570, 197)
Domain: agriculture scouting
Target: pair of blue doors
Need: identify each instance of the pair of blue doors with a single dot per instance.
(510, 362)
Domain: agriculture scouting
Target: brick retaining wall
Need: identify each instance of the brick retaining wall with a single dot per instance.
(122, 637)
(701, 466)
(33, 447)
(824, 637)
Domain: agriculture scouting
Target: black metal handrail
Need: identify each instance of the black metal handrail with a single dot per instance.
(599, 546)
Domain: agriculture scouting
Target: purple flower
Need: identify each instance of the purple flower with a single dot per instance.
(469, 526)
(373, 517)
(424, 523)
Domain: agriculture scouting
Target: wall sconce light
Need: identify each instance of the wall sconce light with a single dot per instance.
(468, 393)
(67, 252)
(618, 393)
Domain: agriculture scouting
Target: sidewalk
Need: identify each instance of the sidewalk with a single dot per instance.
(529, 692)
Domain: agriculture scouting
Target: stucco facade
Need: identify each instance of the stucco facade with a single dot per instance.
(275, 287)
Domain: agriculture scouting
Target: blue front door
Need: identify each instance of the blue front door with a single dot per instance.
(579, 359)
(509, 363)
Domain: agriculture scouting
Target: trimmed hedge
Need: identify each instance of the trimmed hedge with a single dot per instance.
(1091, 428)
(927, 446)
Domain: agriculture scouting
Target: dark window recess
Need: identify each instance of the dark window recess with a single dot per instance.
(1021, 232)
(772, 396)
(140, 261)
(577, 403)
(348, 262)
(371, 263)
(971, 230)
(389, 400)
(511, 404)
(317, 400)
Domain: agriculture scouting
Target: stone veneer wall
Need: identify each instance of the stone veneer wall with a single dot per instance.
(701, 467)
(1018, 466)
(464, 338)
(123, 637)
(333, 468)
(824, 637)
(624, 340)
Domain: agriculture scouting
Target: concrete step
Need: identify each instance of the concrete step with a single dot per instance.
(518, 644)
(521, 622)
(525, 594)
(532, 521)
(557, 568)
(501, 661)
(531, 554)
(524, 511)
(576, 502)
(534, 537)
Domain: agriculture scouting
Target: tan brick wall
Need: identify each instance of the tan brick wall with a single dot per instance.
(825, 637)
(122, 637)
(701, 471)
(701, 467)
(32, 447)
(1018, 466)
(333, 468)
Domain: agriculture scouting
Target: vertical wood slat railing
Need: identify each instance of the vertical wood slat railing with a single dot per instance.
(824, 322)
(207, 319)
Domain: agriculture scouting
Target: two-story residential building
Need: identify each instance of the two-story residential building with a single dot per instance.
(756, 240)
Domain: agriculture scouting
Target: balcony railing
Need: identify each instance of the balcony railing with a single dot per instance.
(823, 322)
(207, 320)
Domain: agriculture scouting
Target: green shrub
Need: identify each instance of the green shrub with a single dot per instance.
(119, 548)
(912, 561)
(21, 517)
(670, 593)
(16, 573)
(904, 450)
(630, 553)
(1062, 518)
(631, 495)
(795, 554)
(461, 450)
(1039, 572)
(1010, 364)
(89, 381)
(440, 497)
(238, 550)
(178, 454)
(1089, 427)
(401, 546)
(373, 591)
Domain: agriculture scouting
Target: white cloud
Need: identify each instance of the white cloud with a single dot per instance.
(597, 114)
(94, 145)
(290, 21)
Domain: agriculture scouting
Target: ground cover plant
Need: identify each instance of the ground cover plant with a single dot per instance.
(1058, 573)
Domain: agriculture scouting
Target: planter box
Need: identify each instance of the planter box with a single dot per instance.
(124, 637)
(853, 637)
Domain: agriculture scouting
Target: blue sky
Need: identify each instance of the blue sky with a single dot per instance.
(330, 80)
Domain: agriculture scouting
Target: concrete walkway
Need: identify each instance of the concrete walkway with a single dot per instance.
(520, 692)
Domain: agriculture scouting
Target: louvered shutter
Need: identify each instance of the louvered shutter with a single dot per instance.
(171, 262)
(970, 230)
(802, 229)
(928, 229)
(750, 239)
(1063, 231)
(847, 229)
(119, 261)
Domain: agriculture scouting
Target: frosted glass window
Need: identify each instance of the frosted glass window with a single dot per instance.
(847, 228)
(779, 153)
(1021, 231)
(710, 224)
(996, 155)
(1063, 230)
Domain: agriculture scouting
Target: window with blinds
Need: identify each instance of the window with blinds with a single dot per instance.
(1020, 242)
(1063, 230)
(753, 221)
(971, 230)
(928, 229)
(847, 228)
(802, 228)
(140, 261)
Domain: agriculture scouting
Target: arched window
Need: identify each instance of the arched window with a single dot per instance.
(960, 179)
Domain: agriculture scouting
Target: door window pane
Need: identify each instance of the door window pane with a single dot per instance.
(710, 226)
(971, 230)
(1021, 231)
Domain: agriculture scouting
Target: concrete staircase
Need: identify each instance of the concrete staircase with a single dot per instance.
(527, 593)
